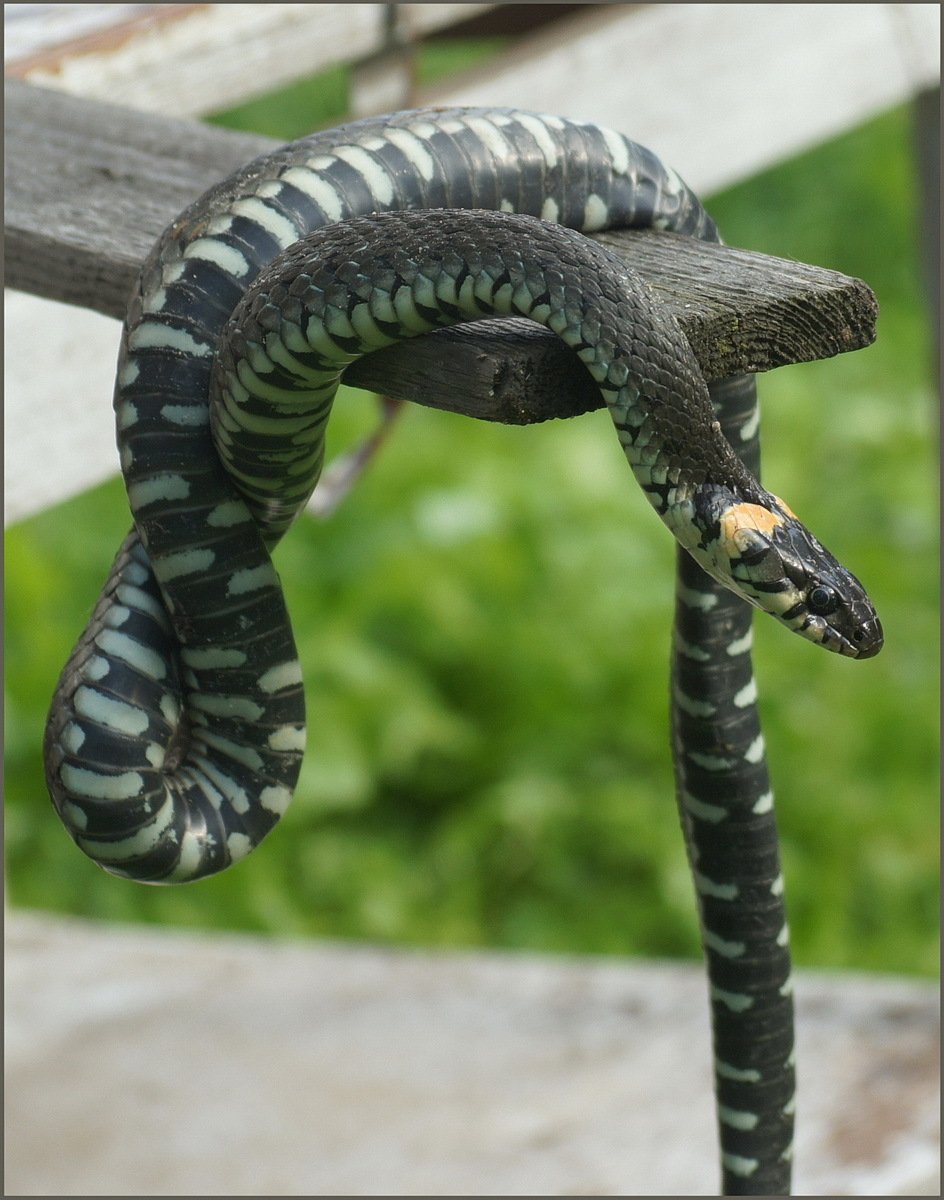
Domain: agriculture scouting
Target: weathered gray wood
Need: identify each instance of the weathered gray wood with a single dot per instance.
(740, 312)
(89, 186)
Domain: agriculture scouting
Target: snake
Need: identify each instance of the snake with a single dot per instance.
(177, 728)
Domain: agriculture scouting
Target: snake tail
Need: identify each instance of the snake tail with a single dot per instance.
(726, 808)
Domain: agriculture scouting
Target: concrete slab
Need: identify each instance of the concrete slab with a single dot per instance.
(145, 1062)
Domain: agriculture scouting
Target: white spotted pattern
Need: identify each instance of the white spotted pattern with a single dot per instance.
(735, 1002)
(737, 1119)
(371, 169)
(279, 677)
(211, 249)
(318, 189)
(115, 714)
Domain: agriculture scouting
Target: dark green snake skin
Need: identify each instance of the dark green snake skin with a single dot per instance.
(177, 729)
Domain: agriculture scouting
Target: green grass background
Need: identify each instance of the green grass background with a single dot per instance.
(485, 623)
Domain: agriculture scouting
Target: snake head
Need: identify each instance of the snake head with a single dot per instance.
(765, 554)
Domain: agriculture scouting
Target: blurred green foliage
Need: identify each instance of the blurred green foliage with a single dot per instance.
(485, 627)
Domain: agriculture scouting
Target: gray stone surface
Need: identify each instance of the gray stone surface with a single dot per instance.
(148, 1062)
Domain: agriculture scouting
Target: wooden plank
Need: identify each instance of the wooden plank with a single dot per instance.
(418, 20)
(32, 30)
(187, 59)
(59, 428)
(195, 58)
(89, 185)
(740, 312)
(81, 215)
(690, 80)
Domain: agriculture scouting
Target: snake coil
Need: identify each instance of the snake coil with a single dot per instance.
(176, 731)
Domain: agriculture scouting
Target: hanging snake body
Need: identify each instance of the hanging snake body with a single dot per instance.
(177, 728)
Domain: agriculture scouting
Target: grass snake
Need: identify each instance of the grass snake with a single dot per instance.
(177, 728)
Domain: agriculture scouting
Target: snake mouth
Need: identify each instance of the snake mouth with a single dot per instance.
(868, 639)
(865, 642)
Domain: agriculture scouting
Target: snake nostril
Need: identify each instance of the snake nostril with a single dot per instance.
(869, 638)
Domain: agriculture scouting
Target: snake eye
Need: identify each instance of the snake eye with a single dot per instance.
(822, 600)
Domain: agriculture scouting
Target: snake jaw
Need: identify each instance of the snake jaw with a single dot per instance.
(867, 639)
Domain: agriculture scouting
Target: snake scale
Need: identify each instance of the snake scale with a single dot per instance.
(177, 728)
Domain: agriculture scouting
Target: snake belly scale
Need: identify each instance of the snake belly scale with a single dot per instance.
(177, 730)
